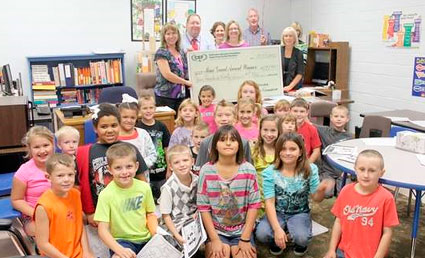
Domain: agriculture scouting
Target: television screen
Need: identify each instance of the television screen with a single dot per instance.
(7, 79)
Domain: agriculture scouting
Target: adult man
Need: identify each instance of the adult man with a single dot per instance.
(193, 39)
(254, 35)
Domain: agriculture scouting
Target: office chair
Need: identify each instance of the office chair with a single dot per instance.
(375, 126)
(114, 94)
(320, 112)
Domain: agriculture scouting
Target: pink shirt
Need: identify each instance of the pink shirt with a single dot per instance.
(227, 45)
(207, 115)
(247, 133)
(35, 179)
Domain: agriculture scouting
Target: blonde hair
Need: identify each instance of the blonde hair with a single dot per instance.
(222, 104)
(281, 104)
(297, 27)
(256, 108)
(66, 130)
(59, 159)
(340, 108)
(201, 126)
(369, 153)
(287, 118)
(187, 102)
(258, 96)
(37, 131)
(258, 150)
(228, 28)
(286, 31)
(146, 95)
(300, 102)
(173, 28)
(177, 150)
(121, 150)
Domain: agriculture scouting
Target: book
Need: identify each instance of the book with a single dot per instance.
(69, 71)
(61, 74)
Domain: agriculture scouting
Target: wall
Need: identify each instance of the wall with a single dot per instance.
(47, 27)
(380, 78)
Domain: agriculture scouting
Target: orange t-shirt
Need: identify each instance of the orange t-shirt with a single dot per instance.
(65, 221)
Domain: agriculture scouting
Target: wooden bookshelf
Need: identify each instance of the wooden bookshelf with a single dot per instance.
(74, 79)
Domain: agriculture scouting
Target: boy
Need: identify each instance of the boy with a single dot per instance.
(281, 108)
(365, 212)
(67, 139)
(224, 114)
(178, 195)
(125, 210)
(160, 138)
(329, 135)
(199, 133)
(299, 108)
(58, 214)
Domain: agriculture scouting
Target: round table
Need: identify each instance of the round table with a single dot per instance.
(402, 169)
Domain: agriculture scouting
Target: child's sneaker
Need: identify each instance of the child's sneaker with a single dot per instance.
(275, 250)
(300, 250)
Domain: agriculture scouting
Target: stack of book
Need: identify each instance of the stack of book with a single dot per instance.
(45, 93)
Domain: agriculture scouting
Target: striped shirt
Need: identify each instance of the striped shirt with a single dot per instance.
(228, 200)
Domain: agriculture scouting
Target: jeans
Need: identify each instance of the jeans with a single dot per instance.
(339, 253)
(127, 244)
(298, 225)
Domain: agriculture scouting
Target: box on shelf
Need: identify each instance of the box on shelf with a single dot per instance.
(411, 141)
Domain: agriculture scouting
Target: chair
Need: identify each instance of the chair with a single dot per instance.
(89, 133)
(6, 183)
(145, 81)
(6, 209)
(320, 112)
(114, 94)
(375, 126)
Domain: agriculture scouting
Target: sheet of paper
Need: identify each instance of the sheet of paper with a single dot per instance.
(421, 158)
(318, 229)
(419, 123)
(348, 158)
(163, 109)
(340, 149)
(379, 141)
(159, 247)
(398, 118)
(194, 234)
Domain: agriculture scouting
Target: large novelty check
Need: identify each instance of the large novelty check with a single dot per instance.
(226, 69)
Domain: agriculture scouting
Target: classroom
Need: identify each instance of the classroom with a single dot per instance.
(370, 50)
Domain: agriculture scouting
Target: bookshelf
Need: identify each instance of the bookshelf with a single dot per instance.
(74, 79)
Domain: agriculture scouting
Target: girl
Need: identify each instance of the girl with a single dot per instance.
(288, 183)
(263, 151)
(30, 181)
(250, 89)
(137, 136)
(246, 127)
(206, 107)
(187, 118)
(288, 124)
(228, 197)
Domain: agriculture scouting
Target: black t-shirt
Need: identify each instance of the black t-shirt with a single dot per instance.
(160, 138)
(99, 175)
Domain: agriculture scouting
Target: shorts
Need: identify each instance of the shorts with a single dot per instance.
(233, 240)
(135, 247)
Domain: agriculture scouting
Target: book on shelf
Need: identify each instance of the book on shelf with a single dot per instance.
(40, 73)
(47, 85)
(62, 74)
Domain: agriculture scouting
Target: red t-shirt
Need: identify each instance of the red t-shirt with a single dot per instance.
(311, 137)
(363, 218)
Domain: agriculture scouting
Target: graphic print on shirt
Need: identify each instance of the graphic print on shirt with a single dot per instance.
(292, 198)
(132, 203)
(100, 174)
(160, 164)
(229, 209)
(364, 213)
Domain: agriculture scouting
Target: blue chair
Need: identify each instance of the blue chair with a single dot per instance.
(6, 209)
(395, 129)
(89, 133)
(114, 94)
(6, 183)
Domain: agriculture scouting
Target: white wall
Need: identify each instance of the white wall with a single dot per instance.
(380, 78)
(48, 27)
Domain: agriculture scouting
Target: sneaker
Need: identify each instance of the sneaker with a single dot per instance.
(275, 250)
(300, 250)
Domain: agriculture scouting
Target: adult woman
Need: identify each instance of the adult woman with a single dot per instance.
(292, 60)
(217, 31)
(171, 70)
(301, 44)
(233, 36)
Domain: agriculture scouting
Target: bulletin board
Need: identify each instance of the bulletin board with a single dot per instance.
(146, 19)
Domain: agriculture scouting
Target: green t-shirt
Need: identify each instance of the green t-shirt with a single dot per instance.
(125, 210)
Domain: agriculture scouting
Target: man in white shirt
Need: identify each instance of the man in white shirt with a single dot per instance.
(254, 35)
(193, 39)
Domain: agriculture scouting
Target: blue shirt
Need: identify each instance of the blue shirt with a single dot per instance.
(291, 193)
(254, 38)
(204, 42)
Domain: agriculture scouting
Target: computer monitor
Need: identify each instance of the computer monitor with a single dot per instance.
(7, 80)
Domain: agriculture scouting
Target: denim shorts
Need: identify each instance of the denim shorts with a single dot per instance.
(135, 247)
(339, 253)
(233, 240)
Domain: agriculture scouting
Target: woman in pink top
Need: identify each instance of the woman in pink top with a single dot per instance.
(30, 181)
(233, 36)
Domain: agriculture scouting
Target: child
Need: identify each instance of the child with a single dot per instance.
(330, 135)
(30, 181)
(160, 137)
(282, 108)
(187, 118)
(129, 110)
(365, 212)
(58, 214)
(246, 127)
(250, 89)
(224, 115)
(299, 108)
(288, 124)
(178, 195)
(228, 197)
(199, 133)
(206, 107)
(288, 183)
(125, 210)
(67, 139)
(264, 150)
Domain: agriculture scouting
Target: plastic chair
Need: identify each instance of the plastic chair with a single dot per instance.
(375, 126)
(320, 112)
(6, 209)
(395, 129)
(114, 94)
(6, 183)
(89, 133)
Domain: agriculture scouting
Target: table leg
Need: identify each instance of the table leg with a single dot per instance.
(415, 222)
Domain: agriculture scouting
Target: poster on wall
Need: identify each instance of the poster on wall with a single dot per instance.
(146, 19)
(418, 87)
(402, 30)
(178, 10)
